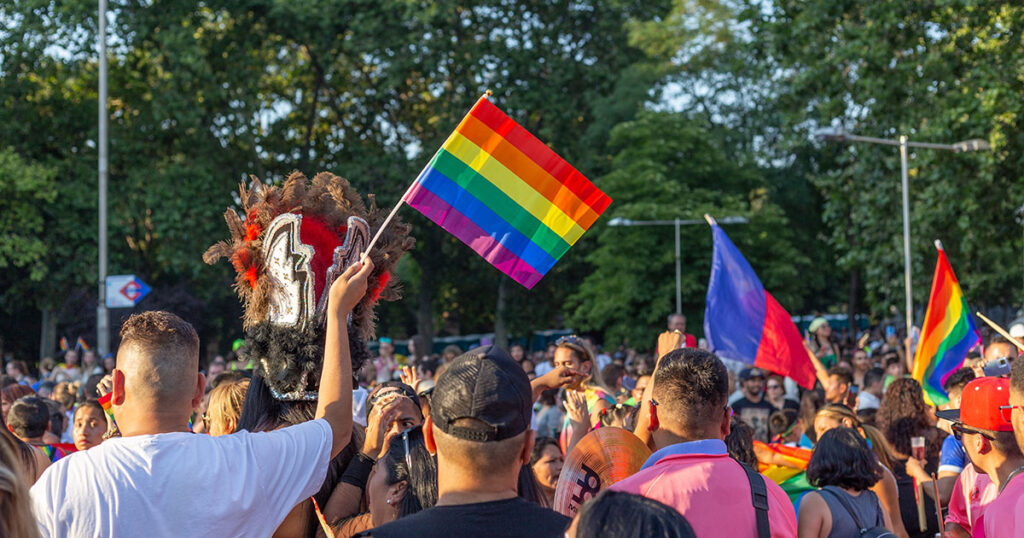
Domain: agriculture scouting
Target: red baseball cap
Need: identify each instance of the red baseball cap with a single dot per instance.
(979, 405)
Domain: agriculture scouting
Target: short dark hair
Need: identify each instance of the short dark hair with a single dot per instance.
(692, 385)
(28, 417)
(612, 371)
(873, 376)
(782, 420)
(958, 379)
(616, 513)
(157, 329)
(538, 448)
(842, 372)
(842, 458)
(998, 339)
(1017, 377)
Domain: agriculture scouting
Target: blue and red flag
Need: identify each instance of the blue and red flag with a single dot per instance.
(744, 322)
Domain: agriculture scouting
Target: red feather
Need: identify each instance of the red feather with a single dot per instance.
(382, 282)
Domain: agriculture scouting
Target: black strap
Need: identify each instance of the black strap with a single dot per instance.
(849, 509)
(759, 498)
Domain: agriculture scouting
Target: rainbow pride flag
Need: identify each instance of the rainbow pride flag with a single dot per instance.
(506, 195)
(107, 405)
(948, 333)
(63, 343)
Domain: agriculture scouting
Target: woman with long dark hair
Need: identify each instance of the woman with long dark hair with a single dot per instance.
(836, 415)
(546, 462)
(903, 415)
(404, 480)
(844, 469)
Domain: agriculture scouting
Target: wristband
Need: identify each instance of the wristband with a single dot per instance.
(358, 471)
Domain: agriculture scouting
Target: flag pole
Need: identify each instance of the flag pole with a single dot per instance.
(401, 200)
(711, 220)
(1001, 331)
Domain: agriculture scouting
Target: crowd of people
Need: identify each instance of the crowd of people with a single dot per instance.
(473, 443)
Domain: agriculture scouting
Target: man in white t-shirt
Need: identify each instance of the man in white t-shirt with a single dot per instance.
(145, 483)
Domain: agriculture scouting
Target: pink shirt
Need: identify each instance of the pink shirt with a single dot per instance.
(1004, 516)
(972, 493)
(710, 489)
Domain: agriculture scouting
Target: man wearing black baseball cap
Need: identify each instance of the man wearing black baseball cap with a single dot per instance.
(479, 427)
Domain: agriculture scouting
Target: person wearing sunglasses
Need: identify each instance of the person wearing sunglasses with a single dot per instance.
(404, 480)
(1003, 516)
(988, 439)
(392, 408)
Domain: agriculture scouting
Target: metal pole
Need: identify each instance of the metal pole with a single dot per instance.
(679, 274)
(102, 331)
(906, 241)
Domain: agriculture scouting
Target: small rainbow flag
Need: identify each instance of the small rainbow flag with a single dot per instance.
(948, 333)
(506, 194)
(80, 344)
(63, 343)
(105, 403)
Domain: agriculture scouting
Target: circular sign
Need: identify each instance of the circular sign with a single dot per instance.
(602, 458)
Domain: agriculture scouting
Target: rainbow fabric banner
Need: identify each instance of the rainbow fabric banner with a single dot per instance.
(506, 195)
(948, 333)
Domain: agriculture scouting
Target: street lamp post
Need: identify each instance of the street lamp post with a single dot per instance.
(903, 143)
(102, 331)
(619, 221)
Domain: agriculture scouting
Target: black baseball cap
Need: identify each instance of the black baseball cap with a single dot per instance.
(484, 384)
(750, 373)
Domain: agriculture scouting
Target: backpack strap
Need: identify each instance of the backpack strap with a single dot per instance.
(846, 505)
(759, 498)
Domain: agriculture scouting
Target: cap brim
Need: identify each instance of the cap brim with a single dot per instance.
(952, 415)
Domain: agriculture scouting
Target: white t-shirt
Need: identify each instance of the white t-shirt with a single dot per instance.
(183, 484)
(866, 400)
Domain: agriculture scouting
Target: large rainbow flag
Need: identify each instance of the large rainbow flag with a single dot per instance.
(506, 194)
(948, 333)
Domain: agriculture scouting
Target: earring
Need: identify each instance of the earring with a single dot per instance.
(387, 501)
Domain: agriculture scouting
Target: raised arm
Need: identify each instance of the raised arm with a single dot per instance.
(334, 402)
(667, 341)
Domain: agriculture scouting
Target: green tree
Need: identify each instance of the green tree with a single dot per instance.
(938, 71)
(671, 166)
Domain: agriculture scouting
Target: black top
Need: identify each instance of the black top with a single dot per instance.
(755, 414)
(508, 518)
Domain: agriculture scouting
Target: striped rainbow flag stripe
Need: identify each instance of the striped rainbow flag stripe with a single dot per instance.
(507, 195)
(947, 335)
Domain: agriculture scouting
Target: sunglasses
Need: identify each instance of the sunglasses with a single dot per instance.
(405, 444)
(959, 431)
(570, 339)
(1007, 411)
(774, 387)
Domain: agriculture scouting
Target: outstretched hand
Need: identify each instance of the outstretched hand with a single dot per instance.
(561, 376)
(576, 409)
(410, 377)
(670, 341)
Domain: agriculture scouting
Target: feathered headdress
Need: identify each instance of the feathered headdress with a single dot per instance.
(293, 243)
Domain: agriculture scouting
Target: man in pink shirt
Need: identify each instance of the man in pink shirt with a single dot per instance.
(691, 469)
(989, 442)
(1005, 515)
(971, 494)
